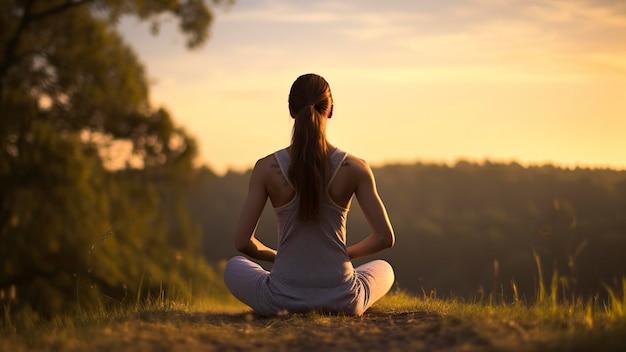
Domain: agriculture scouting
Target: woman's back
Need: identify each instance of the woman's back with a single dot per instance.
(312, 253)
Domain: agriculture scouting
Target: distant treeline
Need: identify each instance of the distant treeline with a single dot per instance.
(469, 229)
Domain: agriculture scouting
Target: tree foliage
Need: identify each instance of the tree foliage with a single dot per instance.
(73, 230)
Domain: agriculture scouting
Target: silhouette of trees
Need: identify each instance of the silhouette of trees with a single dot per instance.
(469, 229)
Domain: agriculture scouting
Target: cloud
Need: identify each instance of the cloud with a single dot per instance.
(284, 12)
(375, 27)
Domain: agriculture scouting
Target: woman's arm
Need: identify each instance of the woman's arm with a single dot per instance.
(245, 240)
(382, 235)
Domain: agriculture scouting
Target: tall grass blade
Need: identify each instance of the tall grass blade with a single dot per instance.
(589, 314)
(139, 289)
(615, 307)
(554, 291)
(542, 290)
(515, 294)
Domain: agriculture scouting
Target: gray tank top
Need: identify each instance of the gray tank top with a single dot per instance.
(312, 255)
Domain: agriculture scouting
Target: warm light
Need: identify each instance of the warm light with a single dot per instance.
(478, 80)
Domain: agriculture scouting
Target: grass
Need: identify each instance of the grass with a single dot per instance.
(398, 322)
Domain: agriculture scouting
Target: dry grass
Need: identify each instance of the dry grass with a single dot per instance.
(399, 322)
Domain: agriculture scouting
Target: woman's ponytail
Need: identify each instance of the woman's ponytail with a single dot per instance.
(310, 104)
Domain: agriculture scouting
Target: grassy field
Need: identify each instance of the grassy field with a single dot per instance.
(399, 322)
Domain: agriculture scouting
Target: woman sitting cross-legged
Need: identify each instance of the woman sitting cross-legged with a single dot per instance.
(311, 184)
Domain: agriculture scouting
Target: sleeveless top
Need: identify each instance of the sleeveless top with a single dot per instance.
(312, 260)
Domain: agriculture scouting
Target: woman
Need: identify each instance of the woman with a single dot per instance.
(310, 185)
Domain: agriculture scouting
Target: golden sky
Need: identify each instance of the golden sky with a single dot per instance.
(500, 80)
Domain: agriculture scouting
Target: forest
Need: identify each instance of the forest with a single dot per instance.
(469, 229)
(80, 231)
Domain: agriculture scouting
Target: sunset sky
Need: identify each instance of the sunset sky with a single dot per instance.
(435, 81)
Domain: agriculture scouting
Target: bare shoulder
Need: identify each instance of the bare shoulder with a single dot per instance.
(265, 166)
(356, 165)
(267, 170)
(267, 162)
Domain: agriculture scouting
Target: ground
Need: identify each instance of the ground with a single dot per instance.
(399, 323)
(205, 331)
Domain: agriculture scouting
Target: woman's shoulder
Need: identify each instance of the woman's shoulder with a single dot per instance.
(271, 158)
(267, 162)
(355, 162)
(266, 159)
(356, 167)
(268, 165)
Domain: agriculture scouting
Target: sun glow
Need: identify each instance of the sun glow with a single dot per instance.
(481, 80)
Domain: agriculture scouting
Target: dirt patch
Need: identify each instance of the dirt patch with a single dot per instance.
(206, 331)
(316, 332)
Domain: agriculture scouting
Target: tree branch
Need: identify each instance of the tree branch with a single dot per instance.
(60, 8)
(10, 56)
(10, 48)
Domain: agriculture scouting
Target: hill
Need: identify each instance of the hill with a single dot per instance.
(468, 229)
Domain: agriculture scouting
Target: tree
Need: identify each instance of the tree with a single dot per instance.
(63, 63)
(69, 88)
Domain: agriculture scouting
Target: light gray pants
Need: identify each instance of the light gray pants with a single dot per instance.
(249, 282)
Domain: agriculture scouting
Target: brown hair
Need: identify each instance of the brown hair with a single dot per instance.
(310, 103)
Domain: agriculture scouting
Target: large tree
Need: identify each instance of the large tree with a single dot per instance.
(63, 62)
(70, 87)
